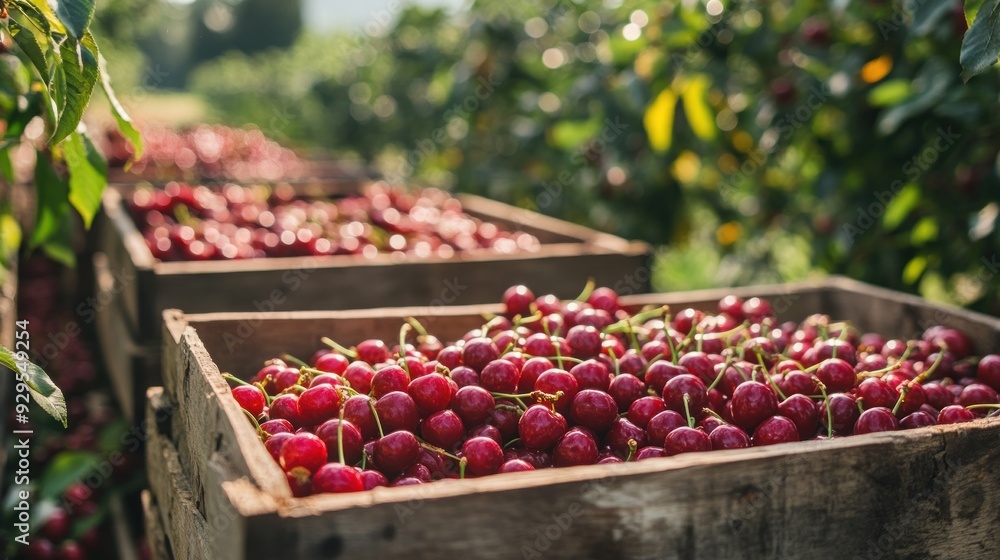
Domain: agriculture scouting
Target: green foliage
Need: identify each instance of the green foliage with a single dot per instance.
(772, 138)
(981, 46)
(52, 73)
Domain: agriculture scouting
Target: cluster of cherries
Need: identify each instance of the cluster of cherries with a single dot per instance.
(182, 222)
(66, 527)
(560, 383)
(206, 151)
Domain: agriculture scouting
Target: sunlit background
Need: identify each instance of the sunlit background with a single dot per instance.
(749, 141)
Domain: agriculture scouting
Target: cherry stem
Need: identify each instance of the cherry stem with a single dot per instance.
(714, 414)
(533, 318)
(492, 322)
(508, 408)
(234, 379)
(296, 361)
(588, 289)
(670, 342)
(438, 450)
(983, 405)
(343, 350)
(510, 346)
(417, 326)
(859, 403)
(378, 422)
(937, 361)
(770, 380)
(264, 436)
(461, 467)
(699, 339)
(829, 411)
(632, 446)
(403, 331)
(625, 325)
(511, 442)
(903, 390)
(340, 436)
(687, 410)
(718, 378)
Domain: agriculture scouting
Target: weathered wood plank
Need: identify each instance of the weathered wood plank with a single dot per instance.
(156, 537)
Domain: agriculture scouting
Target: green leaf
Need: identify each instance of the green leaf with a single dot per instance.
(43, 391)
(65, 470)
(925, 230)
(696, 109)
(10, 235)
(659, 120)
(41, 12)
(930, 86)
(981, 45)
(79, 63)
(52, 207)
(568, 135)
(927, 14)
(125, 124)
(971, 9)
(890, 92)
(76, 15)
(88, 175)
(914, 268)
(28, 43)
(900, 206)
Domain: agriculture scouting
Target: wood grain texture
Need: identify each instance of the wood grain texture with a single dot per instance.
(927, 493)
(569, 255)
(156, 536)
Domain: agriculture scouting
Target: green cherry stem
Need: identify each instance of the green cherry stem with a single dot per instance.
(378, 422)
(687, 410)
(632, 446)
(340, 436)
(339, 348)
(293, 359)
(588, 289)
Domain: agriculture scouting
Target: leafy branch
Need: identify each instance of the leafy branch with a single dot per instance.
(51, 74)
(981, 45)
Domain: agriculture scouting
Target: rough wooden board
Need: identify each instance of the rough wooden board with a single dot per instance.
(183, 523)
(156, 537)
(570, 254)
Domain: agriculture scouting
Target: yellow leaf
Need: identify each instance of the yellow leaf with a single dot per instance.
(875, 70)
(699, 114)
(659, 120)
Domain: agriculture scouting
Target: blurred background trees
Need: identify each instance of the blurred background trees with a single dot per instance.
(752, 141)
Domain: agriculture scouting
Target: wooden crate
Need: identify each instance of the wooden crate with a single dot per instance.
(155, 535)
(569, 255)
(927, 493)
(137, 288)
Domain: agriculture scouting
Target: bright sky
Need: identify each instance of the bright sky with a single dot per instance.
(351, 14)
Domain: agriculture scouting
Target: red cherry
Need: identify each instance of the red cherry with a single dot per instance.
(250, 399)
(837, 374)
(397, 411)
(540, 428)
(332, 362)
(286, 407)
(303, 450)
(353, 443)
(499, 376)
(918, 419)
(590, 374)
(621, 432)
(878, 419)
(955, 414)
(357, 411)
(554, 381)
(474, 405)
(431, 393)
(844, 411)
(359, 376)
(478, 353)
(389, 379)
(335, 478)
(988, 371)
(274, 443)
(686, 440)
(626, 389)
(685, 384)
(644, 409)
(803, 412)
(515, 465)
(517, 300)
(728, 436)
(395, 452)
(443, 429)
(978, 393)
(776, 429)
(753, 402)
(662, 424)
(484, 455)
(372, 351)
(575, 447)
(318, 404)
